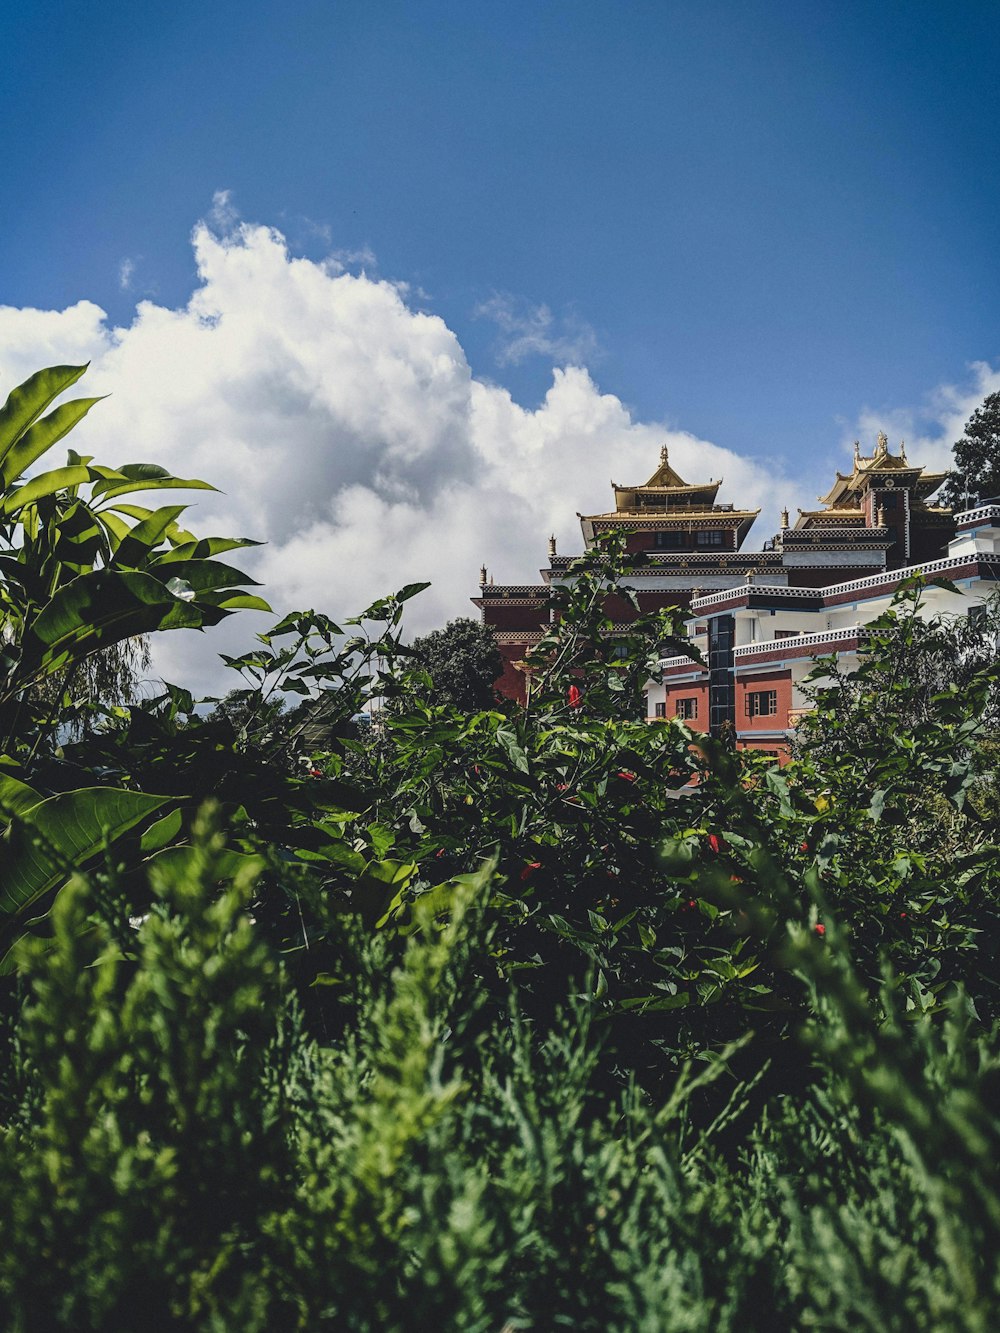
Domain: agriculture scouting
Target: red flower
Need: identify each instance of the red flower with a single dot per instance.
(803, 846)
(692, 903)
(530, 868)
(573, 696)
(315, 773)
(626, 776)
(902, 916)
(716, 843)
(562, 786)
(439, 853)
(819, 928)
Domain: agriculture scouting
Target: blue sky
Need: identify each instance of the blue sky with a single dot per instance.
(767, 225)
(770, 214)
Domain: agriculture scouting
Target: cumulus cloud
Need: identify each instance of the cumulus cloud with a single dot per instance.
(347, 430)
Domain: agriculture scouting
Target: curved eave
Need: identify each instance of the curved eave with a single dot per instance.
(626, 496)
(870, 469)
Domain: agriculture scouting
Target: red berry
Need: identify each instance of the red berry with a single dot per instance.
(716, 842)
(803, 846)
(819, 928)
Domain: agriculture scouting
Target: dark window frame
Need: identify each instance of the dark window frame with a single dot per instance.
(761, 703)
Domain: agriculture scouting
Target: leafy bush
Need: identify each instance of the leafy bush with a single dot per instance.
(477, 1019)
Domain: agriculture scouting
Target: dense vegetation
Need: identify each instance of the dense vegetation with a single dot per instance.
(975, 478)
(488, 1020)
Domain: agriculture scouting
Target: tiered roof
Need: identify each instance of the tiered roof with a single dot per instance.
(667, 500)
(882, 470)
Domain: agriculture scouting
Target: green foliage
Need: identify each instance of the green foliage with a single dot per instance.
(81, 571)
(179, 1152)
(82, 575)
(480, 1019)
(976, 475)
(462, 662)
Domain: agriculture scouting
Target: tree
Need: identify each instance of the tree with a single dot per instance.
(462, 661)
(976, 475)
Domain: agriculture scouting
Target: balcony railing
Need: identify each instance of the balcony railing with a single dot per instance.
(883, 579)
(799, 641)
(984, 514)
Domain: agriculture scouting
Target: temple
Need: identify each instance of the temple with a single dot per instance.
(760, 618)
(693, 544)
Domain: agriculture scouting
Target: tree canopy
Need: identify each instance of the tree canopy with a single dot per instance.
(976, 475)
(463, 662)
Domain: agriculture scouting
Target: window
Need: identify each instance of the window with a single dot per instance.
(710, 538)
(687, 708)
(661, 710)
(787, 633)
(762, 703)
(670, 541)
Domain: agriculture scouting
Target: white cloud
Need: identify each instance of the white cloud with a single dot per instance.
(126, 271)
(532, 330)
(930, 428)
(347, 430)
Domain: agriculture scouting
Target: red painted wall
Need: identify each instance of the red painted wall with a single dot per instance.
(781, 683)
(516, 617)
(689, 689)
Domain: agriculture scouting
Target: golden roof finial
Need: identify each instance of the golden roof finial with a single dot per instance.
(784, 518)
(882, 445)
(552, 545)
(482, 576)
(902, 450)
(857, 452)
(664, 455)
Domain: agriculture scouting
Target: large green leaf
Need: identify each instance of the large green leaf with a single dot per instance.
(42, 436)
(226, 863)
(62, 833)
(146, 477)
(101, 608)
(204, 547)
(16, 796)
(147, 535)
(203, 574)
(29, 400)
(46, 484)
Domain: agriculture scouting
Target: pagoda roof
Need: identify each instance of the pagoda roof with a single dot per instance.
(664, 485)
(867, 470)
(712, 516)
